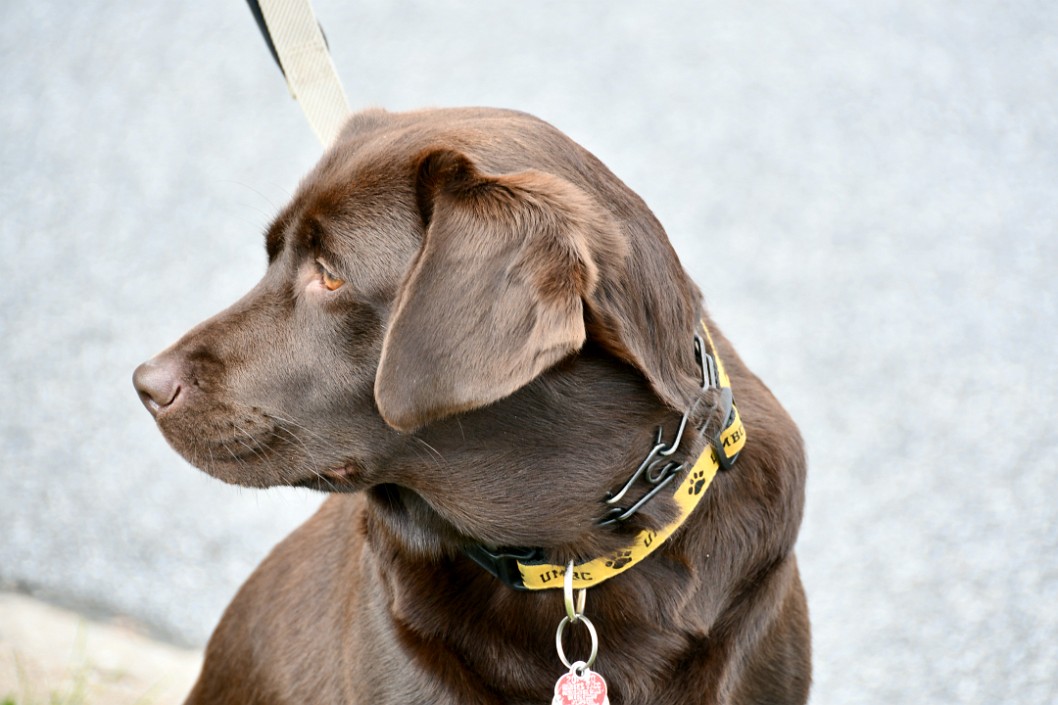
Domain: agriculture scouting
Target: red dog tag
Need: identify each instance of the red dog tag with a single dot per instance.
(587, 688)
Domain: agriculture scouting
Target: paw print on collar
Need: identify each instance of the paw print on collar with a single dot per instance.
(619, 560)
(697, 483)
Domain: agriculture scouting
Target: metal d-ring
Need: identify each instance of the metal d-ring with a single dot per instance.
(594, 641)
(573, 615)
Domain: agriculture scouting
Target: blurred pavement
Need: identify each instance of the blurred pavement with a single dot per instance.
(867, 193)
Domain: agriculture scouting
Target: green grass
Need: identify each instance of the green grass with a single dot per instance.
(75, 689)
(73, 694)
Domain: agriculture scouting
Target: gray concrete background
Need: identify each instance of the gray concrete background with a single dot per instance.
(866, 192)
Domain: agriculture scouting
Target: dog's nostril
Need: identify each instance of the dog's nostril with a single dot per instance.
(158, 385)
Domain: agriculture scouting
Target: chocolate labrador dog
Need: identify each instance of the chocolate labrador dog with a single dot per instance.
(479, 341)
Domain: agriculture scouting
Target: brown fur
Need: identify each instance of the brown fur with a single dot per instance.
(513, 327)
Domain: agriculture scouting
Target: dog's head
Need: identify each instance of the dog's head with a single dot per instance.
(431, 269)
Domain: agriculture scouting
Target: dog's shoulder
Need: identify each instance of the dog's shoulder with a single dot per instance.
(256, 653)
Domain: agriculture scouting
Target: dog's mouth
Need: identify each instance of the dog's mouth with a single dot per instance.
(259, 451)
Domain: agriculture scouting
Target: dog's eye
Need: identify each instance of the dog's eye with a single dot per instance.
(329, 281)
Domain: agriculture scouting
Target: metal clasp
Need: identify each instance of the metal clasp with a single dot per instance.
(656, 469)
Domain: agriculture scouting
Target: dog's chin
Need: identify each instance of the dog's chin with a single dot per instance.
(238, 475)
(348, 477)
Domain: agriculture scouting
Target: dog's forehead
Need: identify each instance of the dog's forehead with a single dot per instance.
(359, 201)
(348, 196)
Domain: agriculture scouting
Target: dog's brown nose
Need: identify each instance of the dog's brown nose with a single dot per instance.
(158, 383)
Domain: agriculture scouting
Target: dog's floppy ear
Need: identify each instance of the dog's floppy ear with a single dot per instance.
(495, 296)
(645, 311)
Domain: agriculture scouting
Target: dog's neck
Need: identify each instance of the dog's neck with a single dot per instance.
(565, 442)
(571, 520)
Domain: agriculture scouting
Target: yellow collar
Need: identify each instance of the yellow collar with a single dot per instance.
(522, 570)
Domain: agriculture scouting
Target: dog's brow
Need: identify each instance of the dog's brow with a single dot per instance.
(312, 235)
(274, 236)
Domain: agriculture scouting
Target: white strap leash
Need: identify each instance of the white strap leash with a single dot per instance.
(309, 70)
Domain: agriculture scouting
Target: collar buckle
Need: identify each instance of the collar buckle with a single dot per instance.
(503, 562)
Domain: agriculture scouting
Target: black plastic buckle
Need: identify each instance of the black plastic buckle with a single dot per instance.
(503, 562)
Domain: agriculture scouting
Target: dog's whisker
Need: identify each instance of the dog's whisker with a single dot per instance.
(230, 452)
(297, 439)
(246, 445)
(272, 206)
(290, 422)
(437, 457)
(314, 465)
